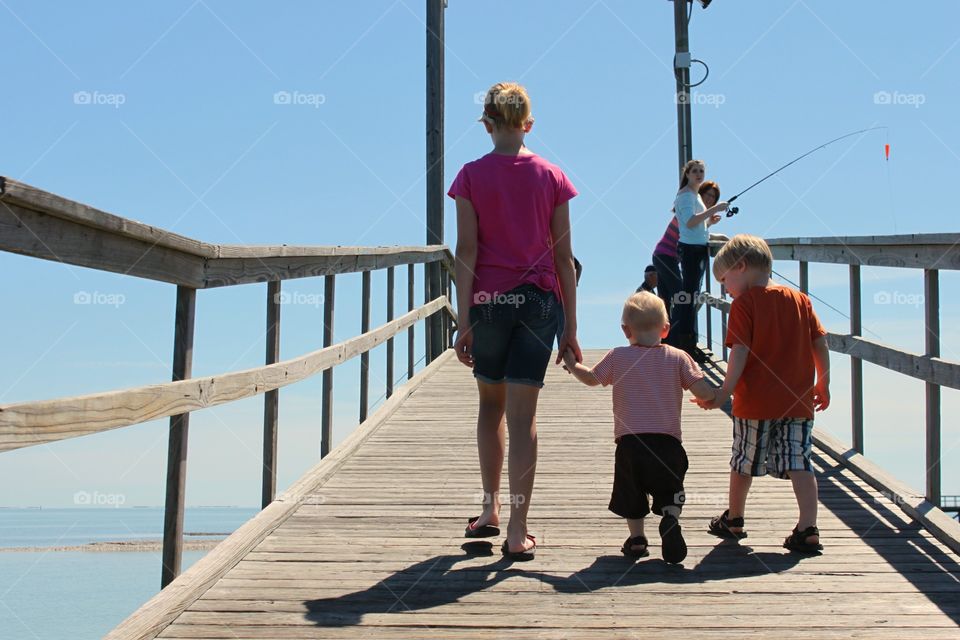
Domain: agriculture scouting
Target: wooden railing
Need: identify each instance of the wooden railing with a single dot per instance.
(930, 252)
(43, 225)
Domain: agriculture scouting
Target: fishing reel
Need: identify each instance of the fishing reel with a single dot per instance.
(732, 211)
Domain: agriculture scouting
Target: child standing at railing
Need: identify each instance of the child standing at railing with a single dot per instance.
(648, 380)
(516, 292)
(778, 373)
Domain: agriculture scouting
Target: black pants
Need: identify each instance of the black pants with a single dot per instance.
(693, 264)
(668, 284)
(648, 464)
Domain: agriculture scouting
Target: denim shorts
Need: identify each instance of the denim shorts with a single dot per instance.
(513, 335)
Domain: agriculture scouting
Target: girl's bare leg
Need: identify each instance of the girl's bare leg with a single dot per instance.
(491, 435)
(521, 412)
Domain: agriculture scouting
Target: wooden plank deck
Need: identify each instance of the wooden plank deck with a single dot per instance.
(377, 551)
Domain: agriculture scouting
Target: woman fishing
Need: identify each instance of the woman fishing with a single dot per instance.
(694, 218)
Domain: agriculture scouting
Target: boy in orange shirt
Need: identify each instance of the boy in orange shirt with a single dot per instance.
(778, 373)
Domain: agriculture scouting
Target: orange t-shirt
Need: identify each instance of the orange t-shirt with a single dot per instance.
(779, 326)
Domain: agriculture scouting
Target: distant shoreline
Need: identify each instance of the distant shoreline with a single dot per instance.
(204, 544)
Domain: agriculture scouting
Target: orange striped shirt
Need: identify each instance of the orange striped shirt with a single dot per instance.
(648, 385)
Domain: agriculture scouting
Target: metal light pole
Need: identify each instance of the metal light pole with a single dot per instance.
(681, 63)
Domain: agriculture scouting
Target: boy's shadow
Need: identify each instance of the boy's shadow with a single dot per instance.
(728, 560)
(434, 582)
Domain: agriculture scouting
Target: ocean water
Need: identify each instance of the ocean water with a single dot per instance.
(50, 595)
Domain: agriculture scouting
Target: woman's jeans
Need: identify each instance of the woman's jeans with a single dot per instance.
(668, 284)
(693, 263)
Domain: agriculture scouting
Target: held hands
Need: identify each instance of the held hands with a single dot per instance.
(720, 398)
(569, 360)
(569, 341)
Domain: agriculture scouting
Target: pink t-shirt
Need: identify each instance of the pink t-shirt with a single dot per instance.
(648, 385)
(514, 197)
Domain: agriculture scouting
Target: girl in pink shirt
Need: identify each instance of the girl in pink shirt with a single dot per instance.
(516, 291)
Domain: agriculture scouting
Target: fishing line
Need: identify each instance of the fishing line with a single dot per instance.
(734, 210)
(819, 299)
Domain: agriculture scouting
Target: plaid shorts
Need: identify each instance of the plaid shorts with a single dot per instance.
(774, 447)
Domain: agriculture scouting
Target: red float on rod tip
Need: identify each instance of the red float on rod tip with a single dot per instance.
(886, 151)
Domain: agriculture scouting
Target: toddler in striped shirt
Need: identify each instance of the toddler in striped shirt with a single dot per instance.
(648, 380)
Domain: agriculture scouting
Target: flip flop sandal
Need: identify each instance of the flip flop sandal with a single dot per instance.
(486, 531)
(720, 526)
(797, 541)
(628, 550)
(519, 556)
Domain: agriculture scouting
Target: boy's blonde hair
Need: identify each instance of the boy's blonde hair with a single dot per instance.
(644, 312)
(507, 104)
(750, 250)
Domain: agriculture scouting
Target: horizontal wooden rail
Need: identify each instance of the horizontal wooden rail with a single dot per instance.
(932, 370)
(154, 615)
(43, 225)
(32, 423)
(917, 251)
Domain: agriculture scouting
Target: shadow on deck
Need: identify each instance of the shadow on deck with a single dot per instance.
(375, 551)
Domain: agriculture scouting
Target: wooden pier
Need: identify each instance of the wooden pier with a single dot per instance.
(369, 544)
(375, 549)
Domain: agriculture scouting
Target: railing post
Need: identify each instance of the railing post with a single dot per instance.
(428, 324)
(856, 364)
(390, 283)
(931, 305)
(365, 356)
(723, 325)
(707, 309)
(271, 399)
(435, 187)
(804, 277)
(326, 398)
(449, 342)
(177, 447)
(410, 331)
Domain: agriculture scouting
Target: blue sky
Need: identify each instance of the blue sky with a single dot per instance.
(169, 113)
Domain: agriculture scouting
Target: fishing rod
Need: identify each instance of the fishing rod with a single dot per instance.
(734, 210)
